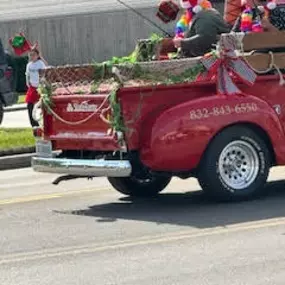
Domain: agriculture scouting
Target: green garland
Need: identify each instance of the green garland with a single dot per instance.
(188, 75)
(116, 119)
(45, 90)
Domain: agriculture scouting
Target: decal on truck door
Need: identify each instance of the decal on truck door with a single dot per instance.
(204, 113)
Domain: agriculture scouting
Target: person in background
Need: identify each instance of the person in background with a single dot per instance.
(35, 65)
(205, 28)
(253, 18)
(277, 14)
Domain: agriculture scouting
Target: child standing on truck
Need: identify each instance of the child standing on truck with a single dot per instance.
(35, 65)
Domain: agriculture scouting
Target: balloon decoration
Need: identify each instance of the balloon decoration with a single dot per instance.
(167, 11)
(246, 20)
(183, 24)
(20, 44)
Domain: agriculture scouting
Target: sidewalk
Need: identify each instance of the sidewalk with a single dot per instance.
(17, 119)
(16, 107)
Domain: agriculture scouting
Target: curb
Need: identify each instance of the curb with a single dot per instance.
(19, 107)
(16, 161)
(17, 151)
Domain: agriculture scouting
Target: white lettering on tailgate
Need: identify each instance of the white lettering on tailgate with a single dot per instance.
(82, 107)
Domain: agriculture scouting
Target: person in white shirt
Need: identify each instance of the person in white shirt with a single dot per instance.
(35, 65)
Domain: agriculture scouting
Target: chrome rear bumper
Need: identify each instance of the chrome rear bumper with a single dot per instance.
(83, 167)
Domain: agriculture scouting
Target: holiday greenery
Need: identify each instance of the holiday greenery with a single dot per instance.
(45, 90)
(116, 119)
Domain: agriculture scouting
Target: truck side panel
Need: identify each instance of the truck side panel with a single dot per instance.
(180, 135)
(141, 106)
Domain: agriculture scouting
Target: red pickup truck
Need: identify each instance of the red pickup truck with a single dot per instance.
(228, 143)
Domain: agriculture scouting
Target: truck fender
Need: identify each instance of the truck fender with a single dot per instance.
(180, 135)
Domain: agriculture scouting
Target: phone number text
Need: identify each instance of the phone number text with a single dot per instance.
(204, 113)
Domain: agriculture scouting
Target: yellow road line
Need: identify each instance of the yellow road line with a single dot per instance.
(147, 240)
(49, 196)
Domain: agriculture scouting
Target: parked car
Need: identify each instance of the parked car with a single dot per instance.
(8, 94)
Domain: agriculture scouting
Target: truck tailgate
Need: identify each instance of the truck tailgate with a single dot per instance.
(76, 123)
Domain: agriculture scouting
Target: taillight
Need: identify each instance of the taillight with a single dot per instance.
(38, 132)
(48, 123)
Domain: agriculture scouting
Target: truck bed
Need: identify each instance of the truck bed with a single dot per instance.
(139, 106)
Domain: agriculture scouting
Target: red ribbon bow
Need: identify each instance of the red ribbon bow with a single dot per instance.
(225, 64)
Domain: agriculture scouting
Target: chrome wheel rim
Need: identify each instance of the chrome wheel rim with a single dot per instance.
(239, 165)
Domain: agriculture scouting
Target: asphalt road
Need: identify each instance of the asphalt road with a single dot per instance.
(17, 119)
(85, 233)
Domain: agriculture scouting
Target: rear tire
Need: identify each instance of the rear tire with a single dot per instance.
(236, 165)
(140, 187)
(1, 112)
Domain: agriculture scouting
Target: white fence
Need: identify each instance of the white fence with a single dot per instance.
(83, 38)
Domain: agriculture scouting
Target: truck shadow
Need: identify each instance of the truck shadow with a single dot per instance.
(191, 209)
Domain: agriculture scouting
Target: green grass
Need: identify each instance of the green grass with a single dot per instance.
(13, 138)
(21, 99)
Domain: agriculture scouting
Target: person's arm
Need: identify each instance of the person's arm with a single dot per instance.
(205, 36)
(195, 41)
(44, 62)
(41, 67)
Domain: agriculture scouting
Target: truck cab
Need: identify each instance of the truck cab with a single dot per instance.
(140, 136)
